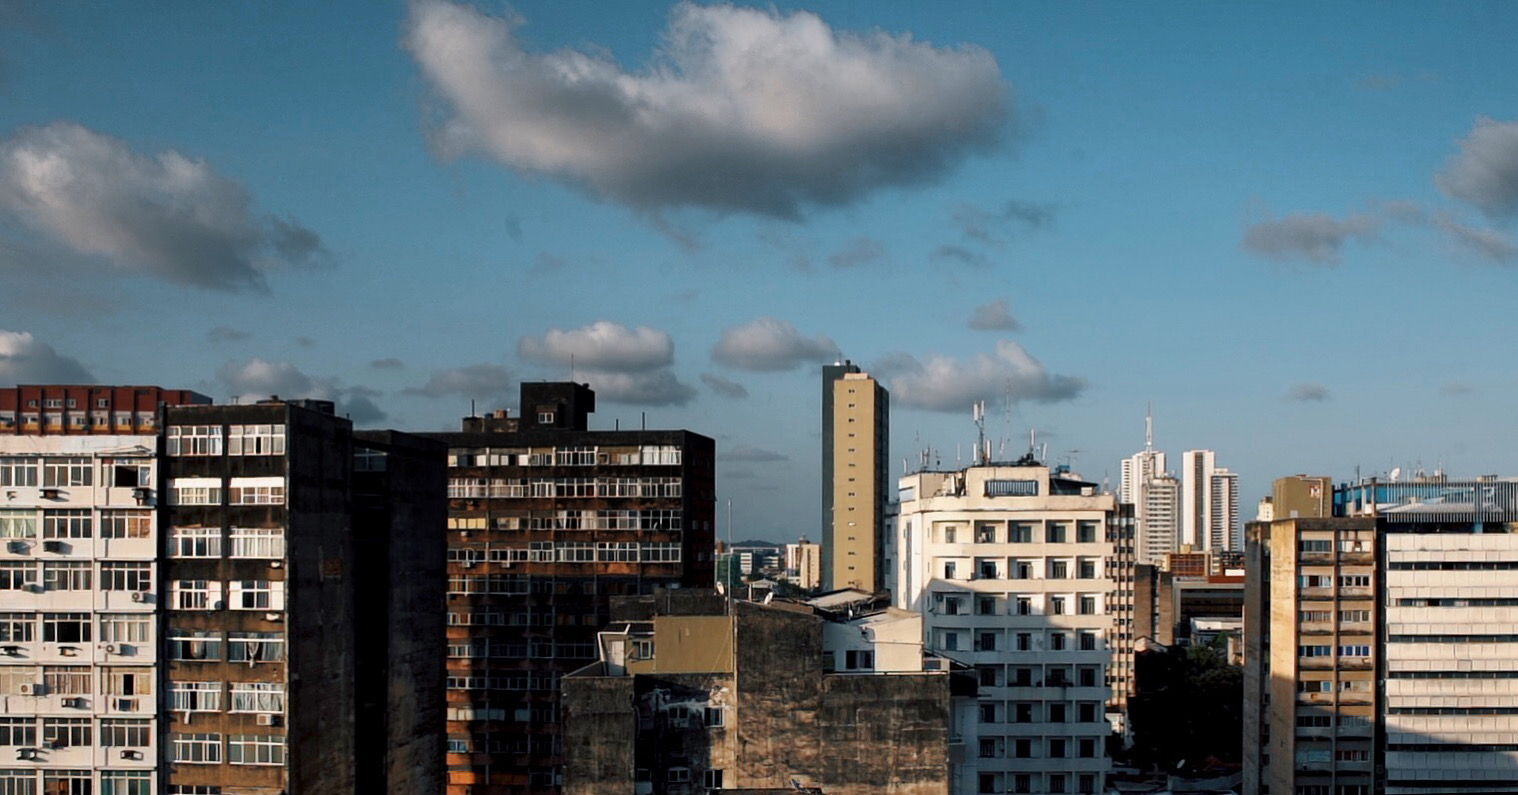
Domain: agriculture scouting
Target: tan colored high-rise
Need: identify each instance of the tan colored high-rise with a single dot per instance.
(855, 447)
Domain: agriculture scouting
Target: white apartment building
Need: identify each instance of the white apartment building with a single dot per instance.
(805, 559)
(1008, 565)
(1159, 529)
(1209, 503)
(78, 544)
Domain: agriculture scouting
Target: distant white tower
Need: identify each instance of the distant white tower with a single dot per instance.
(1153, 496)
(1209, 503)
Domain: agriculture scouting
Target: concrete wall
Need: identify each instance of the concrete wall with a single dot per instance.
(599, 731)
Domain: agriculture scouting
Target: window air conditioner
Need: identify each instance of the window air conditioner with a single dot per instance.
(276, 564)
(16, 547)
(274, 616)
(130, 753)
(52, 546)
(264, 719)
(109, 648)
(139, 596)
(28, 689)
(50, 494)
(10, 651)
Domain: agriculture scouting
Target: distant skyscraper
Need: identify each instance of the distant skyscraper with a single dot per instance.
(855, 452)
(1209, 502)
(1154, 497)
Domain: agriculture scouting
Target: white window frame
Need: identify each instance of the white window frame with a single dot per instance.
(195, 542)
(195, 696)
(190, 440)
(256, 439)
(196, 749)
(255, 749)
(195, 595)
(264, 543)
(264, 697)
(256, 595)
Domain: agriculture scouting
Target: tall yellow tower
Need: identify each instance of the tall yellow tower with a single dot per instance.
(855, 451)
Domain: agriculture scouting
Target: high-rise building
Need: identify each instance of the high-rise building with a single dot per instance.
(1155, 497)
(1139, 468)
(1209, 503)
(855, 469)
(805, 559)
(548, 520)
(1380, 641)
(79, 588)
(303, 649)
(1018, 571)
(179, 588)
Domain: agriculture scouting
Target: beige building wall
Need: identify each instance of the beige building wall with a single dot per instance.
(1301, 497)
(855, 513)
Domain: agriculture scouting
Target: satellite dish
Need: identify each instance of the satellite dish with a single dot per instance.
(1394, 474)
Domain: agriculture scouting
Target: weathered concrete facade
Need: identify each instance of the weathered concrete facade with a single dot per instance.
(774, 720)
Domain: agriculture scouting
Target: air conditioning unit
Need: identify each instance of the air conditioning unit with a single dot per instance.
(139, 596)
(10, 651)
(274, 616)
(276, 564)
(52, 546)
(126, 705)
(108, 648)
(468, 564)
(464, 533)
(68, 651)
(131, 753)
(28, 689)
(266, 719)
(51, 742)
(50, 494)
(74, 703)
(26, 754)
(16, 547)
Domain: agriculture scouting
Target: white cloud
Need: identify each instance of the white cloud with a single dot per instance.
(1316, 238)
(1488, 244)
(769, 345)
(165, 215)
(1485, 172)
(993, 317)
(602, 346)
(24, 360)
(740, 109)
(942, 383)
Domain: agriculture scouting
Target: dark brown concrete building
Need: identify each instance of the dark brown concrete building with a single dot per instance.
(694, 694)
(547, 521)
(301, 604)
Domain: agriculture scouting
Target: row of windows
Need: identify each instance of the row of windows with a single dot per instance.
(75, 782)
(75, 732)
(572, 552)
(1319, 721)
(470, 488)
(649, 455)
(246, 542)
(1019, 533)
(208, 440)
(74, 524)
(986, 605)
(72, 472)
(1024, 782)
(236, 495)
(209, 646)
(1040, 712)
(265, 697)
(1086, 640)
(75, 627)
(1034, 676)
(1352, 650)
(240, 749)
(1327, 686)
(76, 680)
(1327, 581)
(1324, 616)
(613, 519)
(76, 575)
(240, 595)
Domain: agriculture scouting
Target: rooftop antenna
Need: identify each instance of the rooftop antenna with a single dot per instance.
(1149, 427)
(978, 412)
(571, 367)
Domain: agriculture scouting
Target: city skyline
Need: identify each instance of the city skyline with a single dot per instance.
(392, 209)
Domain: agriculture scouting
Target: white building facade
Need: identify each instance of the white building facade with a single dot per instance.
(78, 638)
(1209, 503)
(1007, 564)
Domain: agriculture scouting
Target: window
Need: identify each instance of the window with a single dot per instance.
(1315, 545)
(66, 575)
(66, 524)
(1087, 605)
(18, 472)
(125, 733)
(712, 716)
(117, 575)
(1085, 532)
(988, 712)
(951, 641)
(1087, 641)
(66, 782)
(194, 644)
(1315, 615)
(985, 534)
(1056, 641)
(17, 575)
(1024, 641)
(17, 627)
(258, 697)
(1022, 677)
(713, 779)
(194, 440)
(65, 627)
(194, 495)
(1020, 533)
(195, 595)
(617, 551)
(987, 642)
(126, 782)
(17, 732)
(1354, 651)
(678, 775)
(1354, 581)
(66, 472)
(1315, 686)
(1054, 533)
(661, 553)
(256, 595)
(1058, 712)
(67, 732)
(858, 660)
(1056, 751)
(18, 524)
(196, 749)
(1314, 651)
(1022, 712)
(126, 524)
(1087, 674)
(67, 680)
(1023, 748)
(251, 647)
(1350, 616)
(985, 606)
(1087, 569)
(119, 681)
(256, 440)
(258, 542)
(1059, 569)
(195, 542)
(195, 696)
(256, 494)
(1056, 605)
(1088, 711)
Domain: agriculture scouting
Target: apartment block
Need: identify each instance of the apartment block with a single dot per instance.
(694, 693)
(547, 521)
(1015, 568)
(283, 625)
(80, 707)
(856, 424)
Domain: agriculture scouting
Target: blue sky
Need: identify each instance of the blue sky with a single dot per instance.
(1290, 228)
